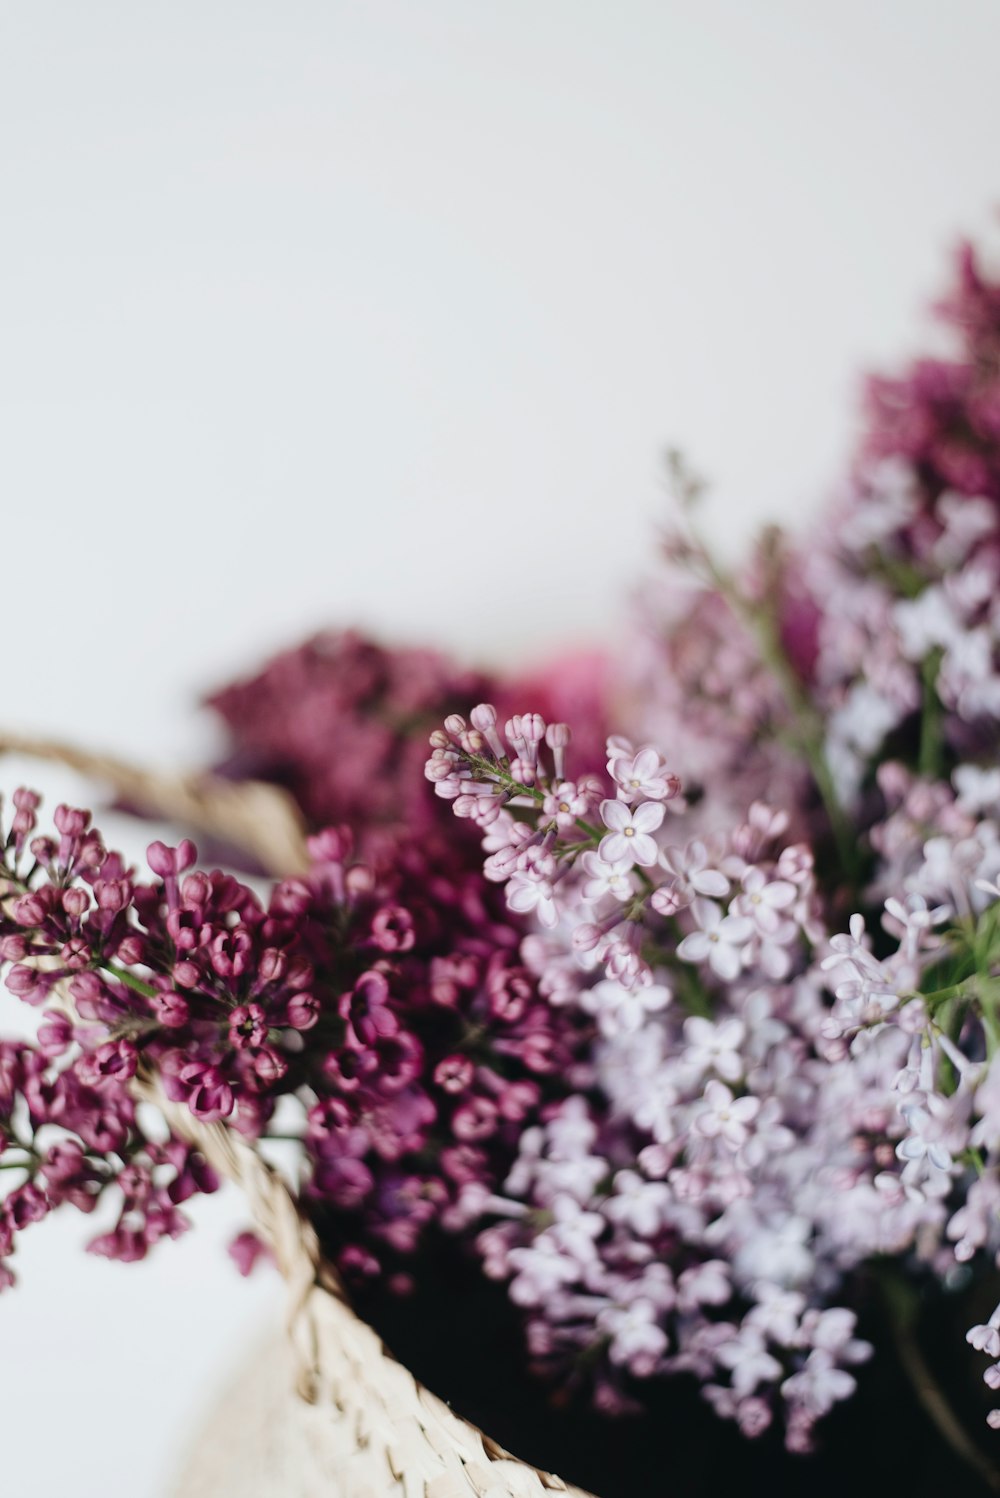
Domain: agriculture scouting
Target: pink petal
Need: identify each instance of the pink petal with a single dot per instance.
(522, 898)
(548, 915)
(736, 928)
(724, 960)
(644, 850)
(706, 914)
(775, 961)
(614, 847)
(645, 764)
(648, 816)
(698, 1030)
(694, 948)
(615, 814)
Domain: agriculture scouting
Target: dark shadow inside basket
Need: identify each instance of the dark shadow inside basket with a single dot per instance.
(461, 1337)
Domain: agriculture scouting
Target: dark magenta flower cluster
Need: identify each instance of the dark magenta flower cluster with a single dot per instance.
(342, 723)
(70, 1131)
(942, 416)
(375, 705)
(390, 1003)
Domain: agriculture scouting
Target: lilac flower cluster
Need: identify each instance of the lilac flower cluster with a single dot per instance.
(696, 681)
(709, 1027)
(772, 1104)
(942, 418)
(855, 685)
(768, 1107)
(878, 640)
(909, 628)
(391, 1006)
(616, 1227)
(69, 1130)
(375, 704)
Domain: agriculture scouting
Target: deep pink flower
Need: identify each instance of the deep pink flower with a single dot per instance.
(367, 1010)
(204, 1089)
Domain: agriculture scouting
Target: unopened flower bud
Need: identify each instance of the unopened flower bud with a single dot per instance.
(558, 736)
(586, 936)
(484, 718)
(167, 862)
(75, 902)
(71, 821)
(170, 1008)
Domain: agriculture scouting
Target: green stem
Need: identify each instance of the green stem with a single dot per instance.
(931, 1396)
(899, 1303)
(973, 1157)
(940, 995)
(490, 770)
(692, 996)
(129, 979)
(992, 1029)
(929, 761)
(807, 726)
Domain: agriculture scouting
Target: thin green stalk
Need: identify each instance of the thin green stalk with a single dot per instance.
(900, 1305)
(941, 995)
(973, 1157)
(807, 727)
(692, 996)
(992, 1029)
(490, 770)
(129, 979)
(929, 760)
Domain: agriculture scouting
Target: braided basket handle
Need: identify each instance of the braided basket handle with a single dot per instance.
(260, 818)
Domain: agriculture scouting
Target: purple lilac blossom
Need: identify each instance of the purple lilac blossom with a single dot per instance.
(390, 1003)
(676, 1065)
(770, 1105)
(341, 722)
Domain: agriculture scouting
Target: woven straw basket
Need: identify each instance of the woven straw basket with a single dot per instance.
(332, 1415)
(339, 1418)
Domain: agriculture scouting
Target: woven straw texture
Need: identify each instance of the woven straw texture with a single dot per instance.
(350, 1422)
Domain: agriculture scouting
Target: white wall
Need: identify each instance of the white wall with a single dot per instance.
(323, 312)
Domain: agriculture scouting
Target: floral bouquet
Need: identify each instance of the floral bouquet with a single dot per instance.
(643, 1038)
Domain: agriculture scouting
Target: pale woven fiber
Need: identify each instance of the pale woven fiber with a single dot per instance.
(339, 1417)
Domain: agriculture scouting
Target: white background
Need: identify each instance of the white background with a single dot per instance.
(370, 312)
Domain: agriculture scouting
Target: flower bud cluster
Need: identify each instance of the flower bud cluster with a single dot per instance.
(769, 1107)
(373, 703)
(678, 1068)
(391, 1005)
